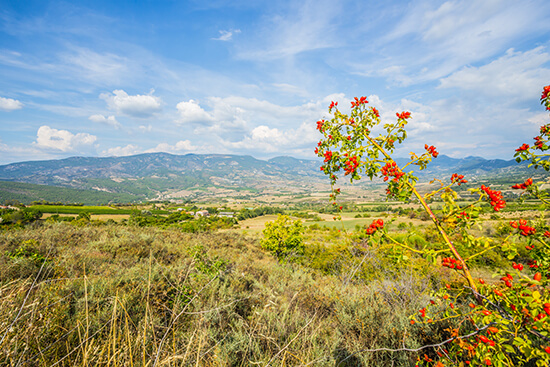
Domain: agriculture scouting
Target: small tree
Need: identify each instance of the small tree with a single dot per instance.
(500, 324)
(283, 237)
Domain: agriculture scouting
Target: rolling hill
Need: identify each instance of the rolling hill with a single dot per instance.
(162, 175)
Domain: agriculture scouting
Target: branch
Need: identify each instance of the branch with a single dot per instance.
(421, 348)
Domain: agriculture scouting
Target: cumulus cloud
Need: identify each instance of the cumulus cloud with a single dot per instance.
(232, 118)
(192, 112)
(8, 104)
(182, 145)
(266, 139)
(62, 140)
(129, 149)
(227, 35)
(515, 74)
(141, 106)
(100, 119)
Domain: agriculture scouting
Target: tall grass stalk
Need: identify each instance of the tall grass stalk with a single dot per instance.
(124, 296)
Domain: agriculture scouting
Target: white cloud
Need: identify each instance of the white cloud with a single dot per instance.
(129, 149)
(305, 26)
(232, 118)
(8, 104)
(269, 140)
(141, 106)
(438, 38)
(192, 112)
(227, 35)
(290, 89)
(539, 119)
(516, 74)
(146, 129)
(95, 66)
(182, 145)
(62, 140)
(100, 119)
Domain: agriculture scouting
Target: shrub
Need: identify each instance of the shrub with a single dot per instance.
(283, 237)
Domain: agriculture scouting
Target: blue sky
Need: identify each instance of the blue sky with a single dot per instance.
(104, 78)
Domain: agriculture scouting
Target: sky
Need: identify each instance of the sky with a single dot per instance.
(114, 78)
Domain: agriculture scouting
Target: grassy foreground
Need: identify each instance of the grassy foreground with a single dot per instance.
(128, 296)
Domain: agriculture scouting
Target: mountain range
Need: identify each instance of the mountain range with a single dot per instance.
(163, 175)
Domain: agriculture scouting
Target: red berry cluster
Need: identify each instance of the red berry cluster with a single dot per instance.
(508, 279)
(451, 263)
(524, 185)
(458, 179)
(320, 124)
(517, 266)
(351, 165)
(332, 105)
(463, 215)
(522, 148)
(391, 170)
(375, 225)
(431, 150)
(375, 111)
(423, 312)
(486, 340)
(539, 143)
(403, 115)
(497, 202)
(545, 93)
(523, 227)
(328, 156)
(359, 101)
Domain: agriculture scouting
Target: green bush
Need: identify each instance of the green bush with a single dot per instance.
(283, 237)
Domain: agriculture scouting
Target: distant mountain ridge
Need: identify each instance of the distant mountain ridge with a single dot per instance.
(151, 174)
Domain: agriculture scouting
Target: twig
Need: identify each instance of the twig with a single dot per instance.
(177, 316)
(418, 349)
(290, 342)
(26, 297)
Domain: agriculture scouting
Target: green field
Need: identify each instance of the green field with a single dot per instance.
(97, 210)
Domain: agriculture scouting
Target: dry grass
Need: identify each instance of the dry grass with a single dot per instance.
(123, 296)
